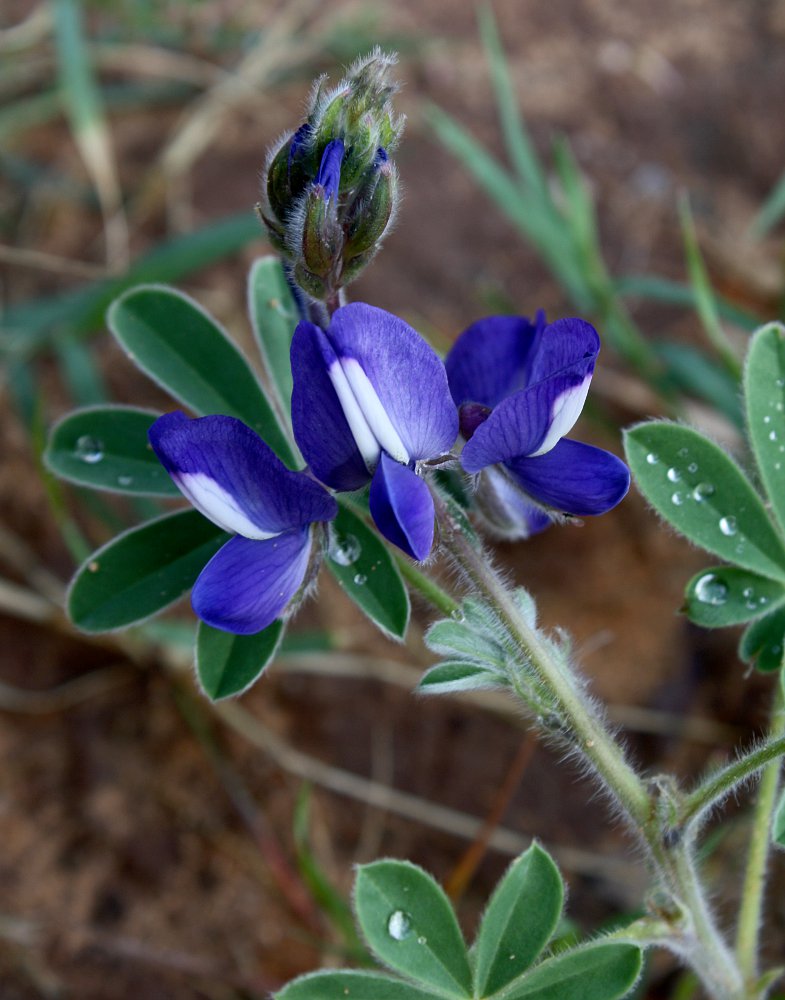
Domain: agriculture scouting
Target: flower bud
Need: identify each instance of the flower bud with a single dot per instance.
(330, 188)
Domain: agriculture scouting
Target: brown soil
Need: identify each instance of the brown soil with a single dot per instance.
(147, 847)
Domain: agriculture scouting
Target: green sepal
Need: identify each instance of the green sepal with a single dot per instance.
(228, 664)
(520, 919)
(106, 448)
(703, 494)
(351, 985)
(363, 566)
(763, 642)
(181, 347)
(727, 595)
(410, 926)
(764, 395)
(142, 571)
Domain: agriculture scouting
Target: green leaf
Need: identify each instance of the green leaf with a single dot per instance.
(181, 347)
(521, 917)
(274, 316)
(228, 664)
(466, 642)
(142, 571)
(595, 972)
(106, 447)
(778, 822)
(763, 642)
(351, 985)
(363, 566)
(698, 375)
(764, 395)
(701, 491)
(409, 924)
(458, 675)
(726, 595)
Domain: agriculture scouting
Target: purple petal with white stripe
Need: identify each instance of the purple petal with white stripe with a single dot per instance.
(248, 583)
(518, 425)
(491, 359)
(568, 345)
(402, 507)
(320, 427)
(574, 478)
(406, 375)
(507, 509)
(232, 477)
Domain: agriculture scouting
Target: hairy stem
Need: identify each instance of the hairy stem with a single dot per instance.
(426, 587)
(751, 910)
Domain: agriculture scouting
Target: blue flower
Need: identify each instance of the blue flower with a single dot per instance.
(520, 387)
(232, 477)
(371, 403)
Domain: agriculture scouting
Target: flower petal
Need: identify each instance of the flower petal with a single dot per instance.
(248, 583)
(231, 476)
(406, 374)
(491, 359)
(507, 510)
(321, 428)
(574, 478)
(402, 507)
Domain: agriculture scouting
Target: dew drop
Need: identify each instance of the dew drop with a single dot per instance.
(780, 383)
(692, 467)
(673, 475)
(772, 435)
(711, 590)
(360, 579)
(767, 419)
(422, 940)
(125, 480)
(344, 549)
(89, 449)
(728, 526)
(677, 499)
(652, 459)
(399, 925)
(747, 592)
(683, 452)
(763, 600)
(702, 492)
(457, 615)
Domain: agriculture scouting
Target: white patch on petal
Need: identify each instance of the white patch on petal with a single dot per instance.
(219, 506)
(566, 410)
(374, 413)
(363, 435)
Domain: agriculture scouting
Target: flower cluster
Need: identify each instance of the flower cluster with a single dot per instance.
(372, 403)
(330, 189)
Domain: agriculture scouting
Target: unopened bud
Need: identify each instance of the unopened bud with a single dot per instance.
(372, 212)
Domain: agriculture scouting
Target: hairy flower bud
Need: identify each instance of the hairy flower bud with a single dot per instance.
(330, 188)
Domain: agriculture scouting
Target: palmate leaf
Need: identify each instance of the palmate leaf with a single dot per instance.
(763, 642)
(351, 985)
(143, 571)
(453, 676)
(182, 348)
(228, 664)
(366, 571)
(106, 447)
(410, 925)
(600, 971)
(701, 492)
(727, 595)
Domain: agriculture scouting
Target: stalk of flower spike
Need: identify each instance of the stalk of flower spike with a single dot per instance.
(520, 387)
(232, 477)
(330, 188)
(370, 403)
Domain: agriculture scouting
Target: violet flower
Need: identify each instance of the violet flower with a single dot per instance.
(371, 402)
(232, 477)
(520, 387)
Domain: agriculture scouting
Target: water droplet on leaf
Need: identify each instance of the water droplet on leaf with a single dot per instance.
(677, 499)
(399, 925)
(673, 475)
(652, 459)
(692, 467)
(360, 579)
(711, 590)
(125, 480)
(457, 615)
(89, 449)
(344, 549)
(728, 526)
(702, 492)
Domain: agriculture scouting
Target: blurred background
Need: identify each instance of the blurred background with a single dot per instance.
(156, 846)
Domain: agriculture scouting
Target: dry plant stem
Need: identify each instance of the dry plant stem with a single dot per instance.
(694, 934)
(751, 911)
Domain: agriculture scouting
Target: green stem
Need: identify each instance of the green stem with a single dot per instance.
(722, 783)
(427, 587)
(751, 910)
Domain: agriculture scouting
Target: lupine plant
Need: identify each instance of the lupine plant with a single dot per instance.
(365, 453)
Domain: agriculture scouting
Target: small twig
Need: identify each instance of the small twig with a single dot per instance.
(63, 696)
(24, 257)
